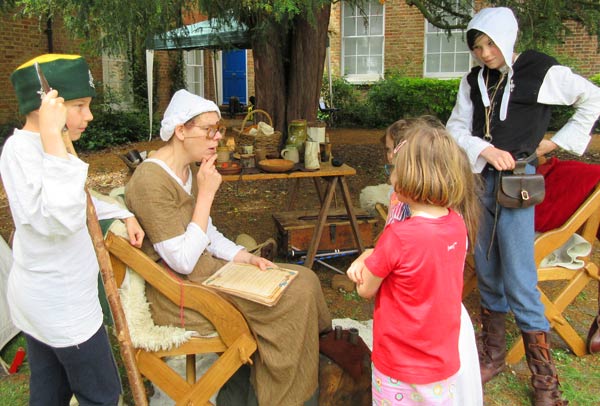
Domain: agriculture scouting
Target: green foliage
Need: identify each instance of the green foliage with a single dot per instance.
(561, 114)
(392, 98)
(398, 97)
(541, 22)
(177, 73)
(14, 389)
(111, 127)
(347, 98)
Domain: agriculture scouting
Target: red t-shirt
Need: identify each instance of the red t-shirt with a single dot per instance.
(417, 309)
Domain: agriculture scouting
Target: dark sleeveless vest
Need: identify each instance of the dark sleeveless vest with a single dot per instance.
(526, 120)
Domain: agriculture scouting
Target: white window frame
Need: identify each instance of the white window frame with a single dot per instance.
(359, 18)
(116, 80)
(194, 71)
(454, 44)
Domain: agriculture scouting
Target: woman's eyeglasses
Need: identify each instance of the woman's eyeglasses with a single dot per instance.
(211, 130)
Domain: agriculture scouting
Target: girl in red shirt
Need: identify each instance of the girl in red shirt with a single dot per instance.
(415, 271)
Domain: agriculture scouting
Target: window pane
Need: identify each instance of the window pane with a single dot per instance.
(433, 43)
(349, 10)
(376, 8)
(376, 26)
(462, 63)
(376, 46)
(362, 26)
(363, 39)
(349, 27)
(461, 45)
(433, 63)
(374, 65)
(447, 44)
(447, 63)
(446, 56)
(350, 46)
(349, 66)
(362, 46)
(362, 64)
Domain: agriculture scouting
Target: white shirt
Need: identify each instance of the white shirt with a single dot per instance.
(53, 283)
(560, 87)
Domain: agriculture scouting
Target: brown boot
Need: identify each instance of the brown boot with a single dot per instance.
(493, 340)
(544, 378)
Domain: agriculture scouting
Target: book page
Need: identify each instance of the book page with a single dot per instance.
(250, 279)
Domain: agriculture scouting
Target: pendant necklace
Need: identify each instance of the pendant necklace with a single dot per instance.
(489, 109)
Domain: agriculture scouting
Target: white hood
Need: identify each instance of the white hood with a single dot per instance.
(500, 24)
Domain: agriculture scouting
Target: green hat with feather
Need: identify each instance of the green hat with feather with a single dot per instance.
(68, 74)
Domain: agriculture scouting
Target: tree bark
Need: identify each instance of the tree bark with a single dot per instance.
(270, 75)
(288, 69)
(307, 61)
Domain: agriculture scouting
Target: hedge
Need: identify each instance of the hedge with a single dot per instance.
(109, 128)
(380, 104)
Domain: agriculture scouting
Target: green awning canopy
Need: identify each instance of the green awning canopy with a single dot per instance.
(213, 33)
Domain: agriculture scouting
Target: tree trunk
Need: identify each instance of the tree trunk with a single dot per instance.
(307, 61)
(270, 75)
(288, 69)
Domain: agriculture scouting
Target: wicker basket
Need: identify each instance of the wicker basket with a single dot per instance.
(268, 142)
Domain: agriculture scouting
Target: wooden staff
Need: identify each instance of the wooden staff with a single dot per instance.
(114, 301)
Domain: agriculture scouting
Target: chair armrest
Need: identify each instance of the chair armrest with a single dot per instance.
(227, 320)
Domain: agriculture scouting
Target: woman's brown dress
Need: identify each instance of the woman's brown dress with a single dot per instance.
(285, 370)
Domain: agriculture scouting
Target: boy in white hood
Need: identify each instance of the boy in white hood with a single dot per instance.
(501, 114)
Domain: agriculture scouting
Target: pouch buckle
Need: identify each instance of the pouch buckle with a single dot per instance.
(524, 195)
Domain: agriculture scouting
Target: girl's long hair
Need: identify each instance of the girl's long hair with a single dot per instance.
(430, 168)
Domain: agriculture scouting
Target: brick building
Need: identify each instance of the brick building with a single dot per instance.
(363, 46)
(22, 39)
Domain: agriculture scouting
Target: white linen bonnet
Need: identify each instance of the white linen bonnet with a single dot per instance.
(500, 25)
(183, 107)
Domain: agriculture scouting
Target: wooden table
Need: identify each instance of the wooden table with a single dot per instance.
(332, 176)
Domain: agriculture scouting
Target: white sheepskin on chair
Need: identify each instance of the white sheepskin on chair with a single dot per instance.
(144, 333)
(372, 195)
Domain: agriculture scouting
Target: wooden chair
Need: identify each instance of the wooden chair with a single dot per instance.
(585, 221)
(234, 341)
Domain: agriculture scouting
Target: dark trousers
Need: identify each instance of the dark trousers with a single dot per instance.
(87, 370)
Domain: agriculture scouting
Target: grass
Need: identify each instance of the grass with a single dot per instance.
(579, 378)
(14, 389)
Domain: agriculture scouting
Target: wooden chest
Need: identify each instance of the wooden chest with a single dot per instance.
(295, 231)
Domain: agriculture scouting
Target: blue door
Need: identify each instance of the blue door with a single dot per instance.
(234, 75)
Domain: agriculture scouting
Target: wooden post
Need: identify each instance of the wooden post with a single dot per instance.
(112, 294)
(110, 286)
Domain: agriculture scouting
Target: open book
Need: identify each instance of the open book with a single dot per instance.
(251, 283)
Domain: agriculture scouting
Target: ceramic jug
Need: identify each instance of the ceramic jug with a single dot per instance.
(316, 131)
(297, 134)
(290, 152)
(223, 154)
(311, 155)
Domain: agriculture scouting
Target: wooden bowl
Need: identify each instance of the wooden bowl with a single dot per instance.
(229, 168)
(275, 165)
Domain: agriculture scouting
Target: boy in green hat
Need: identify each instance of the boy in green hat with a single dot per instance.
(53, 284)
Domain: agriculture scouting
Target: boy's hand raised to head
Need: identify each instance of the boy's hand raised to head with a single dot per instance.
(52, 118)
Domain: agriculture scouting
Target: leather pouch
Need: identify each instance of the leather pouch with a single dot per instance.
(520, 190)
